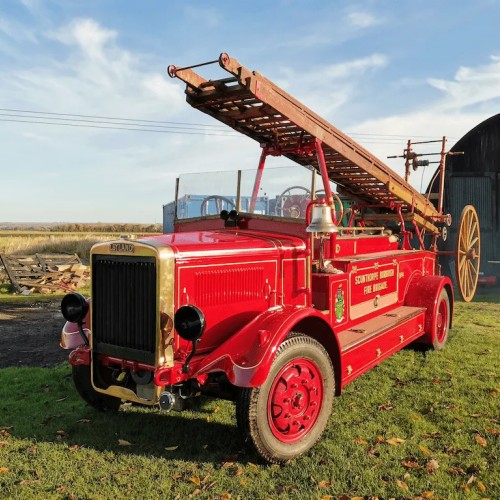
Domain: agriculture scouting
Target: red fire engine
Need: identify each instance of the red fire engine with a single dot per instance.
(281, 298)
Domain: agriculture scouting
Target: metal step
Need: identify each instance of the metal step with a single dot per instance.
(367, 330)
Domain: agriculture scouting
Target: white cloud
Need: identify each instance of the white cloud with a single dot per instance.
(362, 20)
(348, 25)
(471, 85)
(326, 88)
(16, 31)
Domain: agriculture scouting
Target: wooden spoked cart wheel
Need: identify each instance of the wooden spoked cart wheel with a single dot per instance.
(467, 257)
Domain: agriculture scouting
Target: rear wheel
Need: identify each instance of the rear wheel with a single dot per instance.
(83, 384)
(442, 321)
(284, 417)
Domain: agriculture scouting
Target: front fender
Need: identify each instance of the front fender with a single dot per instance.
(246, 357)
(424, 291)
(70, 334)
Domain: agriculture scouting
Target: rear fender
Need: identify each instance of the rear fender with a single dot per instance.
(246, 357)
(424, 291)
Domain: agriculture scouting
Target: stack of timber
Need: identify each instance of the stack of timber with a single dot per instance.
(45, 273)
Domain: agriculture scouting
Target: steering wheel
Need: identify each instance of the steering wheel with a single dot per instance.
(221, 203)
(293, 205)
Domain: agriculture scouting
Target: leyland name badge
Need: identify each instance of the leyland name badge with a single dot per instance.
(121, 247)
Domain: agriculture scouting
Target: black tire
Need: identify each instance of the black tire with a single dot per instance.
(301, 369)
(442, 321)
(83, 384)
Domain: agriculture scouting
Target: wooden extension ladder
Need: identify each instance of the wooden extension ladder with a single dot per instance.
(253, 105)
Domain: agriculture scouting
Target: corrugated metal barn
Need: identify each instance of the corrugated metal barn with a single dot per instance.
(474, 179)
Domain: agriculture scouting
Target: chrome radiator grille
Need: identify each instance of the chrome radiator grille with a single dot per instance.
(124, 306)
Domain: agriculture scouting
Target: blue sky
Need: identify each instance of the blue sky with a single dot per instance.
(382, 71)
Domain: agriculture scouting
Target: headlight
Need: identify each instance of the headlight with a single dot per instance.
(189, 322)
(74, 307)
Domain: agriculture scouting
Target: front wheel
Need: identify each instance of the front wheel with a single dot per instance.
(442, 321)
(284, 417)
(83, 384)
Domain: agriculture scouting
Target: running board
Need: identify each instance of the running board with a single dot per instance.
(374, 340)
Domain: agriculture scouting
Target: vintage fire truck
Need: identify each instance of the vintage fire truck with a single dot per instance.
(276, 309)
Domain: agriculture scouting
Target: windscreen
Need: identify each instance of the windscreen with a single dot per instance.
(278, 192)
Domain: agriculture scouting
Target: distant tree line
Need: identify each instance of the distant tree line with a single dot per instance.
(99, 227)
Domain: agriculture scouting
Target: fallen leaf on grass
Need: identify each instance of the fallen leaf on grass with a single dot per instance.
(226, 496)
(471, 479)
(386, 406)
(3, 470)
(124, 442)
(428, 494)
(195, 480)
(432, 466)
(323, 484)
(480, 440)
(4, 433)
(171, 448)
(481, 486)
(25, 482)
(402, 485)
(380, 439)
(360, 441)
(395, 441)
(411, 464)
(73, 447)
(217, 409)
(326, 497)
(175, 477)
(4, 443)
(424, 450)
(456, 470)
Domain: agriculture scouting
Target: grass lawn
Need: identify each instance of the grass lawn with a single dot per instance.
(422, 424)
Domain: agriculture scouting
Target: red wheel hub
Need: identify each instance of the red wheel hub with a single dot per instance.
(441, 321)
(295, 400)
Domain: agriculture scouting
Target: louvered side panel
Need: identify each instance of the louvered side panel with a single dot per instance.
(229, 286)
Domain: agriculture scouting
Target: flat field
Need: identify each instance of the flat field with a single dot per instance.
(424, 424)
(31, 242)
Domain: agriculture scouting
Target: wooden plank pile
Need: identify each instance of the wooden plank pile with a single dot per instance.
(45, 273)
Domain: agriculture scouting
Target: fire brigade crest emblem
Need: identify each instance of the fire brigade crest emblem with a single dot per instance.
(339, 304)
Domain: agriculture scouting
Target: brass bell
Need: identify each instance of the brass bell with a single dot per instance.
(321, 220)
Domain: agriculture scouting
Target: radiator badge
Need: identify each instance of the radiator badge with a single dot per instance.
(121, 247)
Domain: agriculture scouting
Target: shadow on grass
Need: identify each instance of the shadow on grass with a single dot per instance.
(41, 404)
